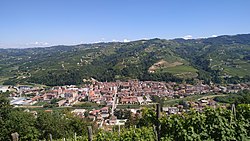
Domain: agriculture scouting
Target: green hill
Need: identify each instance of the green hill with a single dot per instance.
(221, 59)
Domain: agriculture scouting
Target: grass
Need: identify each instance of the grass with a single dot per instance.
(121, 106)
(128, 106)
(172, 102)
(242, 71)
(3, 78)
(53, 109)
(235, 67)
(87, 105)
(180, 69)
(183, 71)
(40, 103)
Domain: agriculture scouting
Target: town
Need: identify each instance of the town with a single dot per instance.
(99, 101)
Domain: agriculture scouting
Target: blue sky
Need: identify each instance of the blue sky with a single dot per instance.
(31, 23)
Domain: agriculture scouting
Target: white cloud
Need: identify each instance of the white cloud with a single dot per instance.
(187, 37)
(126, 40)
(36, 44)
(25, 45)
(99, 42)
(114, 40)
(212, 36)
(102, 40)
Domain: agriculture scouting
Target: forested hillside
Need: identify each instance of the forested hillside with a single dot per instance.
(223, 59)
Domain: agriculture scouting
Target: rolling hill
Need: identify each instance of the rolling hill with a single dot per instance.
(223, 59)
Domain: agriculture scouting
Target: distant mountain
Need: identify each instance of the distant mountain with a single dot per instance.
(223, 59)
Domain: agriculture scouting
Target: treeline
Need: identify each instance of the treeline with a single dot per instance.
(58, 78)
(237, 98)
(32, 126)
(76, 77)
(210, 124)
(103, 69)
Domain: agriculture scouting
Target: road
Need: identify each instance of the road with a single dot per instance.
(114, 105)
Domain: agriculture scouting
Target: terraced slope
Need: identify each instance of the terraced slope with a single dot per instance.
(220, 59)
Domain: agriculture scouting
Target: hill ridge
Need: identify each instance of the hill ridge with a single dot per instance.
(219, 59)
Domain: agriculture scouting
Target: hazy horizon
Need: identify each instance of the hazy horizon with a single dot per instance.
(121, 41)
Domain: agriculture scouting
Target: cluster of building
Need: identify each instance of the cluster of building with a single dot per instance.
(113, 94)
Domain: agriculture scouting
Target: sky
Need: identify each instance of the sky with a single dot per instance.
(37, 23)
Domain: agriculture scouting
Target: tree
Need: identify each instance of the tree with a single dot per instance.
(23, 123)
(5, 106)
(211, 124)
(53, 123)
(148, 117)
(14, 120)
